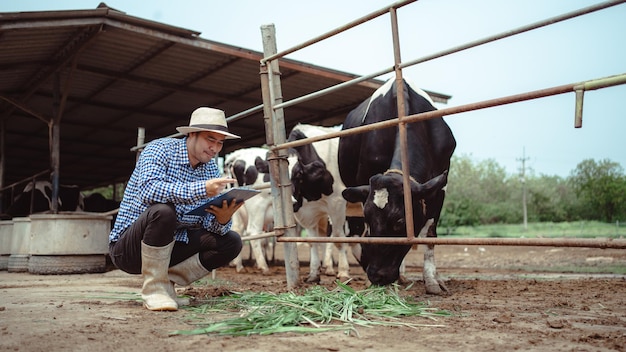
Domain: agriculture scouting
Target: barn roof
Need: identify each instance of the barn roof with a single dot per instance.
(105, 73)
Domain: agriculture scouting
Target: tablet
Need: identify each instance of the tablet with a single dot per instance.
(239, 193)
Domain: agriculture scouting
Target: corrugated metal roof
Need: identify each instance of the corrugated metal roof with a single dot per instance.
(120, 72)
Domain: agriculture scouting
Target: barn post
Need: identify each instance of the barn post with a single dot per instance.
(279, 165)
(55, 142)
(141, 139)
(2, 163)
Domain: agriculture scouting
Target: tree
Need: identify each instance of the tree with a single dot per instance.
(477, 193)
(551, 199)
(602, 186)
(460, 207)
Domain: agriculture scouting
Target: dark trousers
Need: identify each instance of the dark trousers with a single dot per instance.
(156, 227)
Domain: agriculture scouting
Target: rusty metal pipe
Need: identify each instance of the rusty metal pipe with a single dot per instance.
(443, 53)
(336, 31)
(541, 242)
(566, 88)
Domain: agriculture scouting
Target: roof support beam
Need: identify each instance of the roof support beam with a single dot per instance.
(17, 104)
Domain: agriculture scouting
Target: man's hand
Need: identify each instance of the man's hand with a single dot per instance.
(223, 214)
(216, 186)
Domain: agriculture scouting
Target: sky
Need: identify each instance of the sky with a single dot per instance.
(538, 134)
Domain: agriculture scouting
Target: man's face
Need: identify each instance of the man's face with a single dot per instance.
(204, 146)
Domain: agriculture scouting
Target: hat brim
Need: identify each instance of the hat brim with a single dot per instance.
(186, 130)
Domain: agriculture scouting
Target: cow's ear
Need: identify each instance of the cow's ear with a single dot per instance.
(428, 189)
(250, 175)
(262, 165)
(356, 194)
(239, 168)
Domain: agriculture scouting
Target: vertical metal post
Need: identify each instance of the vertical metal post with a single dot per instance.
(279, 164)
(402, 111)
(578, 115)
(141, 138)
(54, 126)
(2, 162)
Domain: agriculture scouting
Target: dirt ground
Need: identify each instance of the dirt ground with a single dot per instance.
(501, 299)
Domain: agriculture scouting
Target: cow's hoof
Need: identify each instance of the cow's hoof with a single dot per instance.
(266, 272)
(312, 280)
(344, 278)
(402, 280)
(329, 272)
(437, 288)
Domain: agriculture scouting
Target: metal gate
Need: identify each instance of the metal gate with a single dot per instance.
(273, 106)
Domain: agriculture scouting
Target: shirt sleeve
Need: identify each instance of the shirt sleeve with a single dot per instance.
(214, 226)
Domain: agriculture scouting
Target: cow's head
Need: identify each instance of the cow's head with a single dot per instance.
(383, 208)
(310, 181)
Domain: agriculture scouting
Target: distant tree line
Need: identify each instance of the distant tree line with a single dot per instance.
(481, 192)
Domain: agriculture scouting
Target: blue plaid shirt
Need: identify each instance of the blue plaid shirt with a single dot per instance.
(163, 174)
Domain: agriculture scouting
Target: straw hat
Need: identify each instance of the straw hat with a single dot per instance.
(207, 119)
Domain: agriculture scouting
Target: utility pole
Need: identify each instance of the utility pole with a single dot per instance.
(523, 179)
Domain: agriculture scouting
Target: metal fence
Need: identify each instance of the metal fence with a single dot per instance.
(273, 110)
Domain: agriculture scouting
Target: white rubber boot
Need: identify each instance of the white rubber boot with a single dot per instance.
(188, 271)
(154, 266)
(180, 301)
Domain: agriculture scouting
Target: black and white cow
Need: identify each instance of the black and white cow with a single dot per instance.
(70, 199)
(255, 216)
(97, 203)
(370, 167)
(317, 188)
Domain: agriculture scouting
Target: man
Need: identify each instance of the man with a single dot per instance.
(152, 235)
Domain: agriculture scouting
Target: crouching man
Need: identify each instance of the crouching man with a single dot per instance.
(152, 235)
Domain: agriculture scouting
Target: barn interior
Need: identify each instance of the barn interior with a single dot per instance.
(92, 78)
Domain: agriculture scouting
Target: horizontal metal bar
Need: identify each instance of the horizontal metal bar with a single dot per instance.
(329, 90)
(443, 53)
(523, 29)
(566, 88)
(336, 31)
(27, 179)
(541, 242)
(602, 82)
(262, 235)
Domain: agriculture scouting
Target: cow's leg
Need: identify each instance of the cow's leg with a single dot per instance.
(259, 256)
(343, 267)
(238, 263)
(327, 263)
(343, 273)
(314, 265)
(431, 279)
(338, 219)
(239, 223)
(250, 256)
(402, 280)
(311, 224)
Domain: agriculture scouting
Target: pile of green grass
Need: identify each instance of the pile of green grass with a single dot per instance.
(317, 309)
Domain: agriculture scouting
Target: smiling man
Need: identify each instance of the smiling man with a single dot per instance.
(152, 234)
